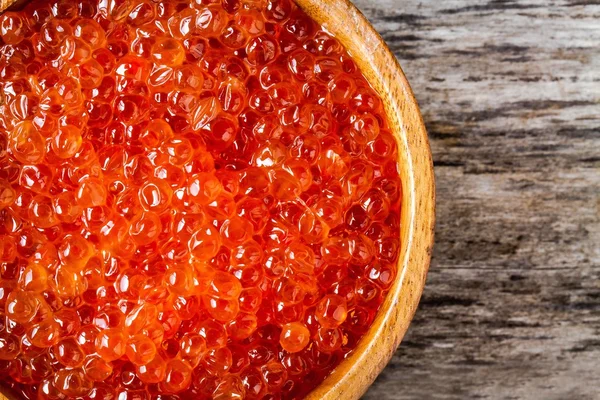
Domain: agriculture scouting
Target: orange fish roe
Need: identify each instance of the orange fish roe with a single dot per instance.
(199, 199)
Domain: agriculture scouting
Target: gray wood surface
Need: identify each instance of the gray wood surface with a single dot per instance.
(510, 93)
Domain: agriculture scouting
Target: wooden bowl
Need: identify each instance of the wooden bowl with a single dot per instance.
(355, 374)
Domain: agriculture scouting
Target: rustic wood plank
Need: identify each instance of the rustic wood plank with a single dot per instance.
(510, 92)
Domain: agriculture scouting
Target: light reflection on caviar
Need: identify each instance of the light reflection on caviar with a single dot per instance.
(198, 199)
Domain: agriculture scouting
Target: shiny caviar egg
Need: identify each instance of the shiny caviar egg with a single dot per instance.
(12, 27)
(294, 337)
(199, 199)
(169, 52)
(111, 344)
(331, 311)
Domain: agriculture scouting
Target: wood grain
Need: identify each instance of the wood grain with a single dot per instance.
(510, 93)
(4, 4)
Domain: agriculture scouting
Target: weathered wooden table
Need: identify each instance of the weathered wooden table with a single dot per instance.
(510, 93)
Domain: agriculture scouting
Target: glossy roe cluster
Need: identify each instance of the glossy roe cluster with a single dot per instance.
(199, 199)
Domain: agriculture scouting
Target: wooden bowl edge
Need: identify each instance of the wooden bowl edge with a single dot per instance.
(352, 377)
(4, 4)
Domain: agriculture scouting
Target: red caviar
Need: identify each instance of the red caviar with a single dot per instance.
(198, 199)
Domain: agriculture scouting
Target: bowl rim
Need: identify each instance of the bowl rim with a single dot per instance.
(352, 377)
